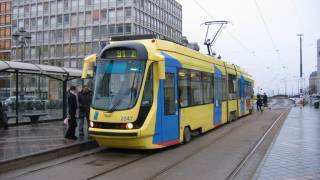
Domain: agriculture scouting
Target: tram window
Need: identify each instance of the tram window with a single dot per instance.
(184, 85)
(169, 95)
(207, 84)
(224, 88)
(147, 98)
(232, 85)
(196, 88)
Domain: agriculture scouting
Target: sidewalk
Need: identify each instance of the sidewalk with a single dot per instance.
(295, 153)
(27, 140)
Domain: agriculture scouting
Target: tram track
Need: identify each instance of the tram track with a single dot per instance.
(193, 153)
(237, 169)
(126, 159)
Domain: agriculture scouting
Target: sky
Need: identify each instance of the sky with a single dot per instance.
(261, 37)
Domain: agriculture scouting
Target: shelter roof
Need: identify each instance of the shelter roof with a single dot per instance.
(27, 68)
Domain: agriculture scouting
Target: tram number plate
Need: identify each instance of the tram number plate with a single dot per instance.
(126, 118)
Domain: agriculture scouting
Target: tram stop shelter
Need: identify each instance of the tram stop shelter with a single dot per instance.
(57, 73)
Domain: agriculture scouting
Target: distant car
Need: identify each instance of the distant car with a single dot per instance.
(31, 102)
(315, 100)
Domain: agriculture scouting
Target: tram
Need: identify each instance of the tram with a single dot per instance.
(153, 93)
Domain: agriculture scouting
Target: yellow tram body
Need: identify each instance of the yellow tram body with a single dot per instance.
(181, 91)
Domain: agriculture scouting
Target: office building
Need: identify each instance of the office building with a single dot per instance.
(5, 29)
(65, 31)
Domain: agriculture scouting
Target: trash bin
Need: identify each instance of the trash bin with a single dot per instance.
(316, 105)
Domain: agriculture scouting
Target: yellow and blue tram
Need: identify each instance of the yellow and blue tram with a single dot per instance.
(154, 93)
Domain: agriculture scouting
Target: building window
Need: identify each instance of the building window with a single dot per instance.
(66, 35)
(66, 21)
(81, 34)
(74, 34)
(53, 21)
(95, 47)
(74, 5)
(88, 34)
(88, 18)
(74, 20)
(66, 5)
(59, 51)
(52, 36)
(119, 3)
(52, 51)
(46, 37)
(120, 28)
(82, 49)
(88, 48)
(112, 16)
(120, 15)
(59, 21)
(66, 50)
(103, 32)
(60, 6)
(95, 17)
(81, 19)
(128, 28)
(59, 35)
(73, 50)
(95, 33)
(127, 14)
(103, 15)
(53, 7)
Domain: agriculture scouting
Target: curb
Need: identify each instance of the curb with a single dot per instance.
(28, 160)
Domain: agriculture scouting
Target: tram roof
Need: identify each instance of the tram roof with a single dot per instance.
(39, 69)
(176, 48)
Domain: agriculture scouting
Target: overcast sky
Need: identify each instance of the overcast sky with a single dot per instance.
(269, 51)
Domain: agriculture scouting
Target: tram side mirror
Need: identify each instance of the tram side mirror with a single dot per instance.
(86, 64)
(161, 70)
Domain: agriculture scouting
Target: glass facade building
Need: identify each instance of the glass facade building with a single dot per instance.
(65, 31)
(5, 30)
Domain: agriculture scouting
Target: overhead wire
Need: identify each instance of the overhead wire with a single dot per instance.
(251, 52)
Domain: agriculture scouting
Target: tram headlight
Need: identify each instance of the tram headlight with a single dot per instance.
(129, 126)
(91, 124)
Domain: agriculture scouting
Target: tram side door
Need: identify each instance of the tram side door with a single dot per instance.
(218, 97)
(170, 118)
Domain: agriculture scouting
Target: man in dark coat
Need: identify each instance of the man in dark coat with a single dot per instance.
(3, 117)
(84, 99)
(265, 100)
(72, 105)
(259, 103)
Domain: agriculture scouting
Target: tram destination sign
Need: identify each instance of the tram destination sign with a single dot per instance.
(121, 53)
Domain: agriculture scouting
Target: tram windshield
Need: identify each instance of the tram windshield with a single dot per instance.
(117, 84)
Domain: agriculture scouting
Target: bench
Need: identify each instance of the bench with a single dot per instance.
(11, 117)
(34, 117)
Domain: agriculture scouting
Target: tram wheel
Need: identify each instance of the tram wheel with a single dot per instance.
(186, 135)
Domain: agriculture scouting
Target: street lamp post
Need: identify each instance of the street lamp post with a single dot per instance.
(301, 86)
(22, 38)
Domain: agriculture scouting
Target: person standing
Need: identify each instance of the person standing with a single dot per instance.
(84, 99)
(3, 117)
(259, 103)
(265, 100)
(72, 105)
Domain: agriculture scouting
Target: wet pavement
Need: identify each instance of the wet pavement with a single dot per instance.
(20, 141)
(53, 114)
(295, 153)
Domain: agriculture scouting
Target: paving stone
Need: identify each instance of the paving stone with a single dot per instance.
(295, 153)
(26, 140)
